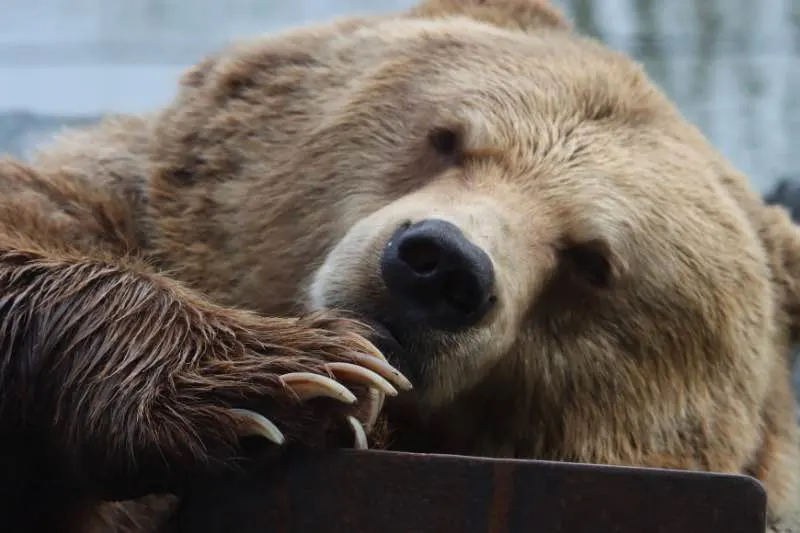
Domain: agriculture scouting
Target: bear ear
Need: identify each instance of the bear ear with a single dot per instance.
(525, 15)
(781, 238)
(779, 235)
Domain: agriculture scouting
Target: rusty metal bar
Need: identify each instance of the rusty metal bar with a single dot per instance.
(387, 492)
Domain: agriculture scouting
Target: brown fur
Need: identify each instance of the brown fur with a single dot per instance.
(115, 379)
(277, 174)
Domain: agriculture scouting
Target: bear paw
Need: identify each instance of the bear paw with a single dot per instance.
(370, 370)
(305, 381)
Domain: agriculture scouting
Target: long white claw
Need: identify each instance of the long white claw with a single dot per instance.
(307, 385)
(371, 349)
(376, 399)
(360, 434)
(253, 423)
(362, 375)
(384, 369)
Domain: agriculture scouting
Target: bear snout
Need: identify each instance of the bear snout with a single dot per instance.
(436, 276)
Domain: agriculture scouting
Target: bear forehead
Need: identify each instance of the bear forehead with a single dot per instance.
(581, 131)
(539, 100)
(577, 127)
(441, 59)
(554, 69)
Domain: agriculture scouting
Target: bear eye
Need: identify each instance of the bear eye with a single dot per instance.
(446, 142)
(590, 263)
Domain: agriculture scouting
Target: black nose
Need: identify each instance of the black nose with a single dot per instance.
(436, 276)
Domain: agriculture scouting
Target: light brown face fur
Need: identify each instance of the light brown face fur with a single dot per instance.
(643, 296)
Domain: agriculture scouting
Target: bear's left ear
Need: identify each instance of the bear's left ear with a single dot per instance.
(525, 15)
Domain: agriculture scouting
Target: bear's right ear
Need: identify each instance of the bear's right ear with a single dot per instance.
(781, 238)
(525, 15)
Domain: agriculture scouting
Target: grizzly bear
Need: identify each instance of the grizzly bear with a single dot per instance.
(526, 227)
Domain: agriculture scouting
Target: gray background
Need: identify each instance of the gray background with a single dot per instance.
(733, 66)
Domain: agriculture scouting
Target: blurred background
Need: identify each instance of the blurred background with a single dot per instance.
(732, 66)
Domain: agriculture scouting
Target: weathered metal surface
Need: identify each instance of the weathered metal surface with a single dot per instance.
(386, 492)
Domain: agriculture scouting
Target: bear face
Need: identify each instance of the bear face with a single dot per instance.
(563, 265)
(612, 250)
(605, 228)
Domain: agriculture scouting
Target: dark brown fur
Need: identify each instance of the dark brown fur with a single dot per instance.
(114, 378)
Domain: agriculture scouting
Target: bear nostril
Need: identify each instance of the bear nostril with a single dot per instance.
(463, 292)
(421, 254)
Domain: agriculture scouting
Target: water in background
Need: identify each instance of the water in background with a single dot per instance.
(732, 66)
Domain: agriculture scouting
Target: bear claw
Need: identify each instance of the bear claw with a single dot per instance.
(382, 367)
(371, 349)
(375, 373)
(307, 385)
(252, 423)
(376, 399)
(359, 433)
(364, 375)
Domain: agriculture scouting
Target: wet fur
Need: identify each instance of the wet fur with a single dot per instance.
(130, 251)
(115, 379)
